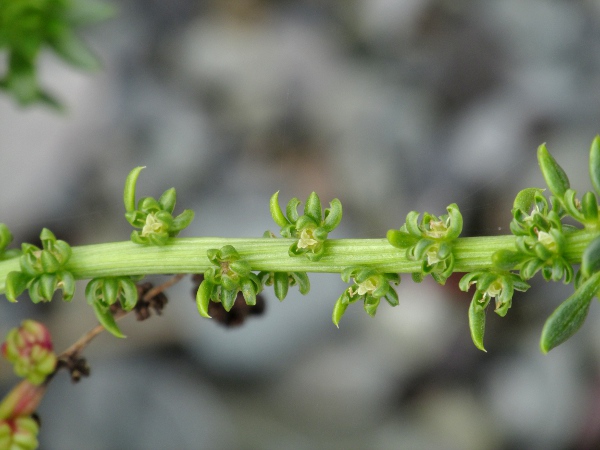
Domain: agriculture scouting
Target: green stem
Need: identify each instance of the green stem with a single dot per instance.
(188, 255)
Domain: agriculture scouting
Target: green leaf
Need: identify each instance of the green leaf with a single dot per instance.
(249, 291)
(507, 259)
(477, 323)
(291, 210)
(313, 207)
(590, 260)
(566, 320)
(525, 200)
(182, 220)
(555, 176)
(456, 221)
(107, 320)
(129, 293)
(203, 298)
(401, 239)
(301, 279)
(338, 311)
(228, 298)
(167, 200)
(595, 164)
(333, 215)
(589, 207)
(276, 212)
(16, 283)
(66, 284)
(129, 191)
(281, 284)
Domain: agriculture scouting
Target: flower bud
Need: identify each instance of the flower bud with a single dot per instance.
(19, 433)
(29, 349)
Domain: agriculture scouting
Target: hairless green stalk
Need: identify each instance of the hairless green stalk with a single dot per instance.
(496, 266)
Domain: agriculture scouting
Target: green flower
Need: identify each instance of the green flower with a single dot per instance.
(42, 271)
(430, 241)
(154, 217)
(221, 283)
(370, 286)
(310, 229)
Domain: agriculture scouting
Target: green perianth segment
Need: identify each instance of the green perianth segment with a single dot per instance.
(188, 255)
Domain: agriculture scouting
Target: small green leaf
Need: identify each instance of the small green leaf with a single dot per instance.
(291, 210)
(589, 207)
(507, 259)
(401, 239)
(47, 286)
(590, 260)
(129, 293)
(555, 176)
(49, 263)
(477, 323)
(301, 279)
(333, 215)
(525, 200)
(566, 320)
(249, 292)
(66, 284)
(338, 311)
(182, 220)
(16, 283)
(313, 207)
(167, 200)
(228, 298)
(203, 298)
(129, 191)
(107, 320)
(281, 284)
(595, 164)
(276, 212)
(456, 221)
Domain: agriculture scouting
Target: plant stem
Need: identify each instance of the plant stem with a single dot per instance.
(188, 255)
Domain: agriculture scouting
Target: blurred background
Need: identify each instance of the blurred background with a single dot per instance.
(389, 105)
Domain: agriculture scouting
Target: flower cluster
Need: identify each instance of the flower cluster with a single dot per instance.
(430, 241)
(370, 286)
(223, 282)
(497, 284)
(42, 271)
(101, 293)
(311, 228)
(154, 217)
(29, 350)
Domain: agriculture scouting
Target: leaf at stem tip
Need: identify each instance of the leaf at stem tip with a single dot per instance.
(129, 191)
(570, 315)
